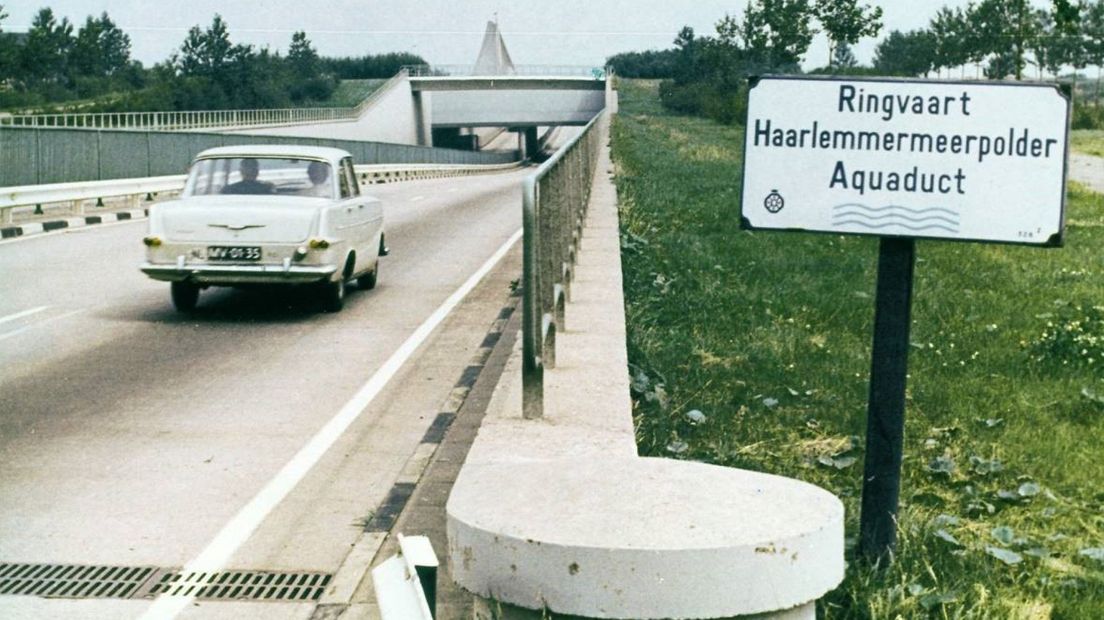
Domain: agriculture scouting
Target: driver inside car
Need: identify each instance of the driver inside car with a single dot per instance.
(249, 184)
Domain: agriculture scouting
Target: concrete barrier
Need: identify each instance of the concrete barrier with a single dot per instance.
(559, 513)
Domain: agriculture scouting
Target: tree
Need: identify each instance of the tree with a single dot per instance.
(648, 65)
(100, 49)
(843, 57)
(301, 56)
(952, 40)
(7, 51)
(206, 53)
(908, 54)
(1007, 28)
(44, 55)
(777, 33)
(845, 23)
(1092, 25)
(1068, 46)
(687, 56)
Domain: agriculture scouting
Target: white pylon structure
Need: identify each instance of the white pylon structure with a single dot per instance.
(493, 58)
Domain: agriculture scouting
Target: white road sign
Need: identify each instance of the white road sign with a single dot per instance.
(979, 161)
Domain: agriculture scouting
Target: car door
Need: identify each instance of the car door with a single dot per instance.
(365, 216)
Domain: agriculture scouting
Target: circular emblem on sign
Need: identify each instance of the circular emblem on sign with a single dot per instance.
(774, 202)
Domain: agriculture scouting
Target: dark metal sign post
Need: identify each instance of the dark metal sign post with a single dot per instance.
(885, 418)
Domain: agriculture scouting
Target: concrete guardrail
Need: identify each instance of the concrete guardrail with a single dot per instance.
(77, 195)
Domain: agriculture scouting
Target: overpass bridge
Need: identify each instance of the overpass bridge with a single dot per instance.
(410, 108)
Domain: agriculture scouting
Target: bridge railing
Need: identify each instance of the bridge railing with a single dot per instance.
(199, 119)
(554, 210)
(517, 70)
(181, 121)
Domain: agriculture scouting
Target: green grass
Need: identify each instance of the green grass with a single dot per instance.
(350, 93)
(1088, 141)
(768, 334)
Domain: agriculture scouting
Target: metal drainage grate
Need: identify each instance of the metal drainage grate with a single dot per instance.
(244, 585)
(73, 581)
(145, 582)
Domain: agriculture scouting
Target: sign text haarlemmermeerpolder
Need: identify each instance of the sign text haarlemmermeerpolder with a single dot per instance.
(957, 160)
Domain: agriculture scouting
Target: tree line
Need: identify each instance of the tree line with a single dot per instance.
(54, 66)
(997, 39)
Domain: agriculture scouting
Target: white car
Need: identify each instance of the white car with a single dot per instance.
(267, 215)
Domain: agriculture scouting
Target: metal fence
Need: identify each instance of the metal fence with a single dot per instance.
(182, 121)
(33, 156)
(199, 119)
(589, 71)
(554, 210)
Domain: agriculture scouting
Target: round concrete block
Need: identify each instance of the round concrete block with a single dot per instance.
(643, 538)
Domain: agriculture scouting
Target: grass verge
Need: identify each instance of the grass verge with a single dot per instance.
(752, 350)
(350, 93)
(1088, 141)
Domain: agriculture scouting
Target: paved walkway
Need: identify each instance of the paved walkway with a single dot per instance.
(1088, 170)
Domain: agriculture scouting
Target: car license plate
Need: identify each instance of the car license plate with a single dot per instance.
(243, 253)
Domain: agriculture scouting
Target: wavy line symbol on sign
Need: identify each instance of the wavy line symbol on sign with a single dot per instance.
(877, 218)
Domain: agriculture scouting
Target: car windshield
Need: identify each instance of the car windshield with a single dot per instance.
(260, 175)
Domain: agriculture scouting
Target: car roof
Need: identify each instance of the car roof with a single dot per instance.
(294, 151)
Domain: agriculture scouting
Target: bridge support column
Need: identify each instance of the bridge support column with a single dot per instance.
(422, 115)
(528, 141)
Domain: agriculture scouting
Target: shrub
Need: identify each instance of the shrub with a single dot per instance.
(680, 98)
(700, 99)
(1087, 116)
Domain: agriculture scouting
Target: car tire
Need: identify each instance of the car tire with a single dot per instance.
(368, 281)
(185, 296)
(333, 295)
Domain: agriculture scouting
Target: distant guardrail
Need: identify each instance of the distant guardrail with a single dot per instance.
(598, 73)
(40, 155)
(554, 201)
(181, 121)
(76, 195)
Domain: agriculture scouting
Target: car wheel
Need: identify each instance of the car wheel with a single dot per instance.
(368, 281)
(333, 295)
(185, 296)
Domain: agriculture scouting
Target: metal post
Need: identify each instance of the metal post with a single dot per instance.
(532, 372)
(885, 421)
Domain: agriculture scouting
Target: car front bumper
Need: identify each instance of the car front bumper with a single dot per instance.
(216, 274)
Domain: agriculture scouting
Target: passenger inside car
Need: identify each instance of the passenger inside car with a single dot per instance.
(319, 174)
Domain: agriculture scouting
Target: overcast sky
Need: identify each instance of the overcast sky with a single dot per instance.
(573, 32)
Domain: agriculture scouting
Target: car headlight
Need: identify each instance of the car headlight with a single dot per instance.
(319, 244)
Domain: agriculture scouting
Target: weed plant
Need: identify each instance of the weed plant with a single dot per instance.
(752, 350)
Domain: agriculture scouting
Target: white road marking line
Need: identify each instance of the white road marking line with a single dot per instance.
(417, 198)
(235, 533)
(19, 315)
(39, 324)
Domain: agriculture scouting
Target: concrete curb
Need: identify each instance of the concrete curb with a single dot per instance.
(353, 572)
(36, 228)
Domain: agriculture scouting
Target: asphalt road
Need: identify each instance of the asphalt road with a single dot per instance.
(132, 435)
